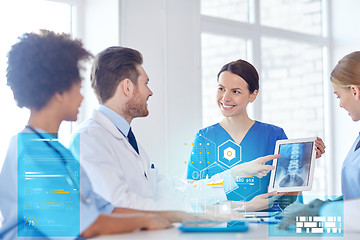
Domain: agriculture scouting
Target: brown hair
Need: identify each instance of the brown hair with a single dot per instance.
(110, 67)
(245, 70)
(347, 71)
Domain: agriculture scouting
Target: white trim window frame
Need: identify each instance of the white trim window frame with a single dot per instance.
(253, 31)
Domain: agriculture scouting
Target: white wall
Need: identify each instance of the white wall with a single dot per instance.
(163, 31)
(98, 27)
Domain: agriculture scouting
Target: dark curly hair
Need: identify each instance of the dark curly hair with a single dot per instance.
(40, 65)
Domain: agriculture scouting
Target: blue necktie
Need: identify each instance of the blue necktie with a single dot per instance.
(132, 140)
(357, 146)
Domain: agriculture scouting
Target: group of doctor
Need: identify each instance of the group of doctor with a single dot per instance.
(116, 176)
(43, 73)
(118, 166)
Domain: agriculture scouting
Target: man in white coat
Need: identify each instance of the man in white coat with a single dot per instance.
(118, 167)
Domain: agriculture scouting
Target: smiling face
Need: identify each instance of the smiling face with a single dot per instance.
(233, 94)
(349, 100)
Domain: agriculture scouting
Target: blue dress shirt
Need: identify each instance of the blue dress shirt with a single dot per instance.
(116, 119)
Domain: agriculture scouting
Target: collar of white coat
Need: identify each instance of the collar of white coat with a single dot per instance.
(116, 119)
(107, 124)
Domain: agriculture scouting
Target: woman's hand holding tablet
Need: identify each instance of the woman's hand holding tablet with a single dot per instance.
(295, 168)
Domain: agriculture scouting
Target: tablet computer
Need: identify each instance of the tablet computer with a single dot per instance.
(294, 170)
(214, 226)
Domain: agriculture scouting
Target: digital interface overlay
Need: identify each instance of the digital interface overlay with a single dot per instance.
(48, 188)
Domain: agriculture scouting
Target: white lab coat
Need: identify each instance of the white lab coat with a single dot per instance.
(116, 171)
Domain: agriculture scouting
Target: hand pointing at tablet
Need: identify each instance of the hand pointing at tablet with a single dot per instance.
(256, 167)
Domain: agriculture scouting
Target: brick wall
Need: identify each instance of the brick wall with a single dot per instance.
(230, 9)
(292, 92)
(299, 15)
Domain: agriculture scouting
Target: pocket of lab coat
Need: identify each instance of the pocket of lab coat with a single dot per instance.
(152, 178)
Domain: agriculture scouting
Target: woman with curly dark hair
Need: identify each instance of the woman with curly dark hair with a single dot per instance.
(40, 192)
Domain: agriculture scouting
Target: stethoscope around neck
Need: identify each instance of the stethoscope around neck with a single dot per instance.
(73, 181)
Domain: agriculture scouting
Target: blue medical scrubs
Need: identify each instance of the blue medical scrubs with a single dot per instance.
(89, 203)
(350, 174)
(214, 151)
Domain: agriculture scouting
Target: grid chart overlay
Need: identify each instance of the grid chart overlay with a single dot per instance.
(317, 224)
(48, 188)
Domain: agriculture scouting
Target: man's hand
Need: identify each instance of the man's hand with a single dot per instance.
(211, 213)
(155, 222)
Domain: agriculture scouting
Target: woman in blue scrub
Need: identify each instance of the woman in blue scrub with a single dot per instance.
(237, 138)
(39, 183)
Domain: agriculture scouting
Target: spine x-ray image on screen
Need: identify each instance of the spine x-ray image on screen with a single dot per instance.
(293, 167)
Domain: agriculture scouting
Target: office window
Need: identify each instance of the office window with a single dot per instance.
(299, 16)
(292, 91)
(292, 86)
(230, 9)
(18, 17)
(288, 48)
(217, 50)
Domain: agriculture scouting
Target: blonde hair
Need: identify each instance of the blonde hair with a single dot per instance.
(347, 71)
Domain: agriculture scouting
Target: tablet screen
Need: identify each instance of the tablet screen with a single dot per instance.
(293, 167)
